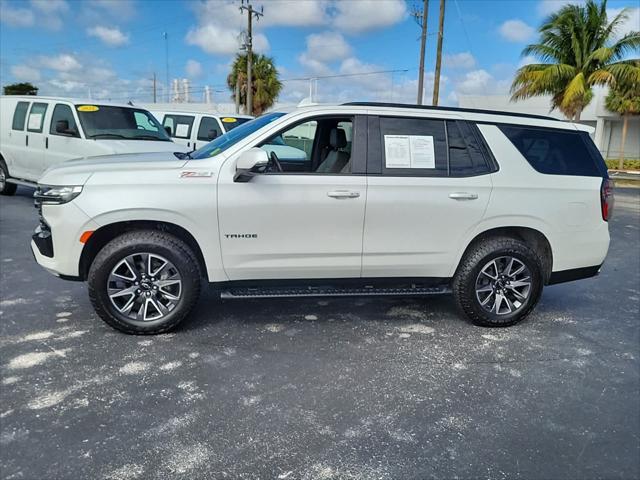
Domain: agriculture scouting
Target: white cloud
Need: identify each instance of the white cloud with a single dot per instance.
(463, 60)
(475, 82)
(295, 13)
(109, 36)
(193, 69)
(220, 40)
(62, 63)
(367, 15)
(547, 7)
(516, 31)
(24, 73)
(527, 60)
(95, 11)
(50, 6)
(631, 24)
(16, 17)
(327, 46)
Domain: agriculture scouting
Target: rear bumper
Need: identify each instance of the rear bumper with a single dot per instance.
(573, 274)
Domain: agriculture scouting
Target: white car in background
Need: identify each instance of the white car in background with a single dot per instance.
(39, 132)
(195, 129)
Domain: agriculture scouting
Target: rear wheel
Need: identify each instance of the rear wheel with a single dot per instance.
(498, 282)
(144, 282)
(5, 187)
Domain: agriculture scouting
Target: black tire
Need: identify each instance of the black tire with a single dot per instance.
(479, 256)
(6, 188)
(132, 243)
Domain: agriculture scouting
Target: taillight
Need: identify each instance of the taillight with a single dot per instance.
(606, 198)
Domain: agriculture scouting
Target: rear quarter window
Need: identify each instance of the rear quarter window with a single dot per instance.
(556, 152)
(20, 115)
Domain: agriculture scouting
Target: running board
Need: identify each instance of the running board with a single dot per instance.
(284, 292)
(21, 182)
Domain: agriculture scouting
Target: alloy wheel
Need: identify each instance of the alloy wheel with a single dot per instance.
(503, 285)
(144, 287)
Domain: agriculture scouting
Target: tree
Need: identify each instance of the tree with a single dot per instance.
(266, 85)
(579, 47)
(625, 100)
(20, 89)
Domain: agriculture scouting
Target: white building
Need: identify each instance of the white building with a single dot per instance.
(608, 134)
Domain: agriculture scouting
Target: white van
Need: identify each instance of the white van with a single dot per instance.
(38, 132)
(195, 129)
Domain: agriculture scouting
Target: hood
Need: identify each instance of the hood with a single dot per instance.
(78, 171)
(140, 146)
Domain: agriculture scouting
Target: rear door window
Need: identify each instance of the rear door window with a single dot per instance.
(554, 151)
(35, 122)
(20, 115)
(180, 125)
(413, 146)
(465, 150)
(209, 129)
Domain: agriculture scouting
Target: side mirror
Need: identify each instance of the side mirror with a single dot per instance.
(250, 162)
(62, 126)
(168, 130)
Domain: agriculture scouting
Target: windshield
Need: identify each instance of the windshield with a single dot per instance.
(229, 139)
(230, 123)
(120, 123)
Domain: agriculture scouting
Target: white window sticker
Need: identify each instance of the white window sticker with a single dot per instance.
(182, 130)
(409, 151)
(35, 120)
(422, 151)
(397, 151)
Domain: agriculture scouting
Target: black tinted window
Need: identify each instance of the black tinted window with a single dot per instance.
(180, 125)
(209, 129)
(555, 152)
(63, 113)
(20, 115)
(465, 154)
(413, 146)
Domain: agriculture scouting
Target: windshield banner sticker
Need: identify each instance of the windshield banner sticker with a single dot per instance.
(88, 108)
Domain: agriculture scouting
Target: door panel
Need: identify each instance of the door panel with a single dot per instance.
(294, 225)
(63, 147)
(413, 226)
(34, 153)
(300, 231)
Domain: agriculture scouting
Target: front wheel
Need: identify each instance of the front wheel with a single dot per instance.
(6, 188)
(499, 282)
(144, 282)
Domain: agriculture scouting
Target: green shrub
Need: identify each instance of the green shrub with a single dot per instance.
(629, 163)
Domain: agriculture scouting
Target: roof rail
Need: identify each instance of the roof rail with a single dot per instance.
(449, 109)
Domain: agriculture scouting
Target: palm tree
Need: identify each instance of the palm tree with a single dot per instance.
(578, 47)
(264, 82)
(625, 100)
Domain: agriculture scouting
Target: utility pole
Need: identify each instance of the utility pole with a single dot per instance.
(237, 94)
(165, 35)
(436, 81)
(421, 19)
(154, 87)
(246, 5)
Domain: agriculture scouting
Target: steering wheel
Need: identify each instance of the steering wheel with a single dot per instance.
(274, 163)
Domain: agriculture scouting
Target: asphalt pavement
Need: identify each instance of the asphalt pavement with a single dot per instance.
(372, 388)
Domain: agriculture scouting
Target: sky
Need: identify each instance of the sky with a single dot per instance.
(111, 49)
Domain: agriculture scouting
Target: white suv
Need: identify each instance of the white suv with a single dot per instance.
(388, 200)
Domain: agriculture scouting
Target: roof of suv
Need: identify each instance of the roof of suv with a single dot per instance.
(449, 109)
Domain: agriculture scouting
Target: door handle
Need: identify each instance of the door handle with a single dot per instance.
(343, 194)
(463, 196)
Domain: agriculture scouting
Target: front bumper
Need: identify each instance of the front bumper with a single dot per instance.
(56, 244)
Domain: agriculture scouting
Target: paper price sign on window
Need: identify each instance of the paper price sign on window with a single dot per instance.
(35, 120)
(409, 151)
(182, 130)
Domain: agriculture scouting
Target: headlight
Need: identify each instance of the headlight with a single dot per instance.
(56, 195)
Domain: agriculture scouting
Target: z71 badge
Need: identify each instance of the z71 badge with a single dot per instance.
(192, 174)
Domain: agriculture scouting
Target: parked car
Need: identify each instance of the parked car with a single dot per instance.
(489, 206)
(38, 132)
(194, 129)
